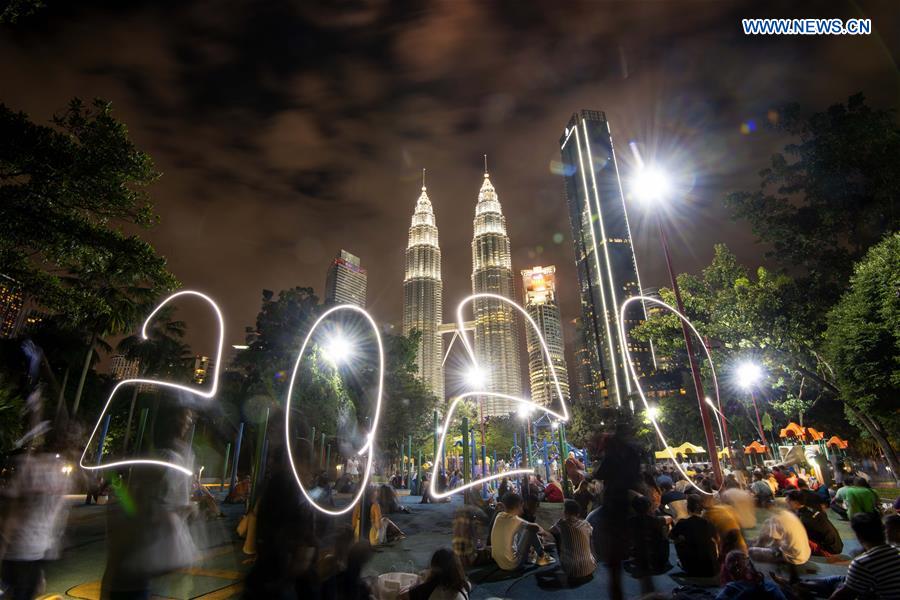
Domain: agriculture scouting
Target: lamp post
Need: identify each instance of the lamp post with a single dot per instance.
(748, 375)
(652, 185)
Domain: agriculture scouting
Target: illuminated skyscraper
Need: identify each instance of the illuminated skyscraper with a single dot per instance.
(422, 289)
(541, 305)
(345, 282)
(586, 379)
(12, 300)
(604, 257)
(121, 367)
(496, 333)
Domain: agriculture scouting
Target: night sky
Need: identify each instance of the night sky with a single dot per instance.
(289, 130)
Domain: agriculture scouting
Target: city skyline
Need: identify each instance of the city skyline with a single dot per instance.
(275, 155)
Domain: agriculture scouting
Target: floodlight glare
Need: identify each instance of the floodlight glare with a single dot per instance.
(476, 378)
(337, 350)
(651, 185)
(748, 374)
(653, 412)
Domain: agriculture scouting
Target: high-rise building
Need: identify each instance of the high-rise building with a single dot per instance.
(345, 282)
(121, 367)
(12, 300)
(422, 294)
(202, 367)
(541, 304)
(496, 332)
(604, 257)
(587, 381)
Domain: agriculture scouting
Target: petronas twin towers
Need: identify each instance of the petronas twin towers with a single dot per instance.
(496, 334)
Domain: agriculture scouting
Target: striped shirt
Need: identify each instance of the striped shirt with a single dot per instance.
(574, 538)
(876, 573)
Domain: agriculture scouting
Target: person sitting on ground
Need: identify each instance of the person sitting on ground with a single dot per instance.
(743, 504)
(780, 476)
(512, 538)
(873, 574)
(727, 526)
(530, 506)
(782, 538)
(381, 529)
(573, 541)
(205, 500)
(468, 539)
(574, 469)
(854, 498)
(824, 539)
(892, 529)
(669, 493)
(349, 584)
(649, 541)
(553, 492)
(240, 493)
(583, 496)
(446, 579)
(761, 490)
(696, 541)
(742, 580)
(390, 500)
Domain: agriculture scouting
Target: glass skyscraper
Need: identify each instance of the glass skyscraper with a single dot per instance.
(345, 282)
(422, 294)
(604, 257)
(496, 332)
(541, 305)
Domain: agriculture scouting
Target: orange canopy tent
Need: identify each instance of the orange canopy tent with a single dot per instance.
(804, 434)
(755, 448)
(837, 442)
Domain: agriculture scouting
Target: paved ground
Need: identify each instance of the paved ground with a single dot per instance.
(218, 574)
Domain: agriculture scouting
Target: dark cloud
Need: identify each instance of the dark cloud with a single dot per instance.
(288, 130)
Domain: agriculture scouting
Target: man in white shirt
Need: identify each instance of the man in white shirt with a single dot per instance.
(782, 539)
(512, 537)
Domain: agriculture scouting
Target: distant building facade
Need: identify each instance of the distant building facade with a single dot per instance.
(202, 368)
(539, 285)
(588, 382)
(121, 367)
(496, 329)
(12, 302)
(423, 294)
(604, 257)
(345, 282)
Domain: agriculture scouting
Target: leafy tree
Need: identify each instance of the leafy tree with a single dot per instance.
(862, 341)
(752, 316)
(13, 11)
(409, 405)
(828, 196)
(66, 192)
(163, 355)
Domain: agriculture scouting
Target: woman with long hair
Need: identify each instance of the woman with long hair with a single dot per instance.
(446, 579)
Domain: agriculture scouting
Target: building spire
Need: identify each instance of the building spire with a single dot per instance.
(423, 179)
(485, 166)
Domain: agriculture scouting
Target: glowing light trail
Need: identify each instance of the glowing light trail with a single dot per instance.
(640, 389)
(562, 416)
(138, 381)
(367, 447)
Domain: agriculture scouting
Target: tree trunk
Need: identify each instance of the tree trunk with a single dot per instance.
(875, 431)
(130, 415)
(84, 372)
(60, 401)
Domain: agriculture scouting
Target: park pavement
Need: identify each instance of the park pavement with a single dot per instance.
(222, 565)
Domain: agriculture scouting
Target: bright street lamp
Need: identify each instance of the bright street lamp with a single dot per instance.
(652, 186)
(337, 349)
(748, 374)
(475, 377)
(652, 413)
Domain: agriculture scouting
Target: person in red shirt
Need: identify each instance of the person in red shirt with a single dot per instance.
(553, 492)
(780, 477)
